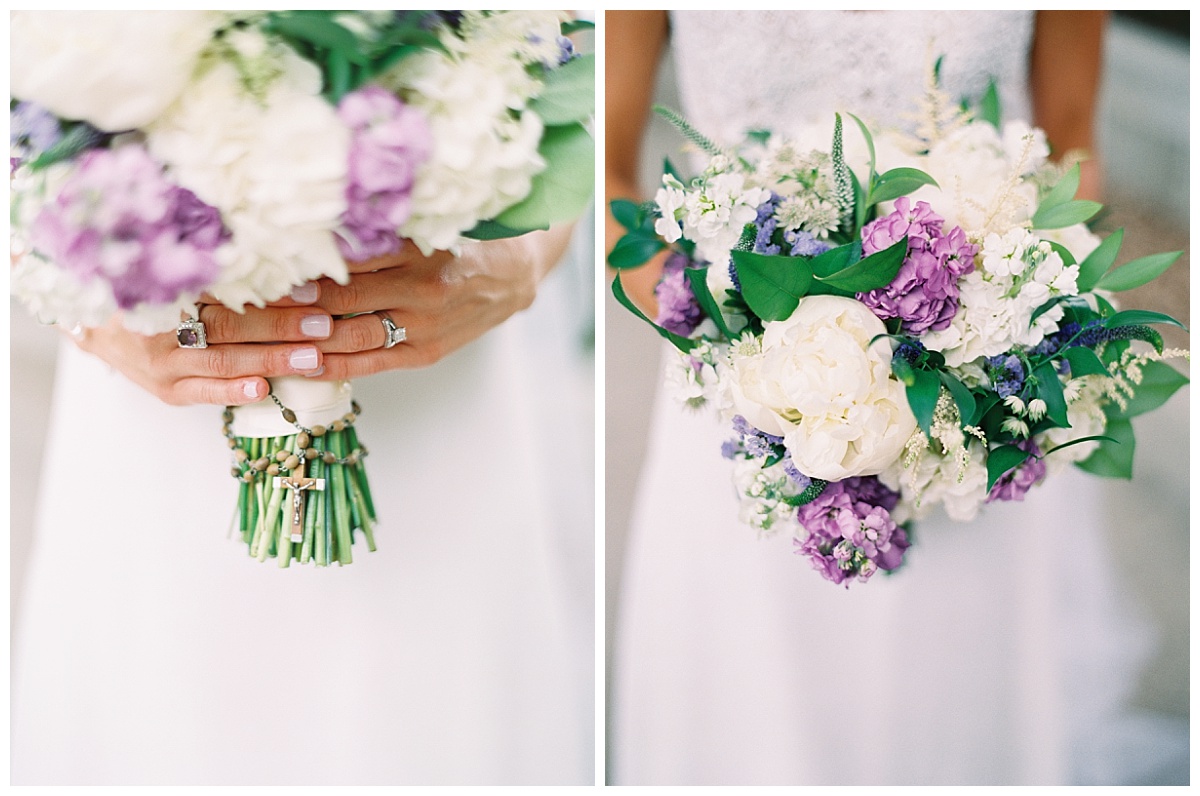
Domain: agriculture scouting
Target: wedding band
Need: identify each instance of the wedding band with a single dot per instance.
(191, 334)
(395, 334)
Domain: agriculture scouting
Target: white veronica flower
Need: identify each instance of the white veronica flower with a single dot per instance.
(116, 71)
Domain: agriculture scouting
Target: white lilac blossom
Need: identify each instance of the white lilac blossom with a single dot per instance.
(821, 384)
(116, 71)
(1015, 274)
(275, 168)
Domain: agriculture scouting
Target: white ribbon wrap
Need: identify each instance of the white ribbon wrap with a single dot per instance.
(316, 403)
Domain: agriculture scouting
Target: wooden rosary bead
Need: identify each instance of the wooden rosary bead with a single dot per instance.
(337, 425)
(318, 431)
(292, 462)
(329, 458)
(289, 415)
(303, 440)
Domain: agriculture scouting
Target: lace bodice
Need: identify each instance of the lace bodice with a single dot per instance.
(780, 69)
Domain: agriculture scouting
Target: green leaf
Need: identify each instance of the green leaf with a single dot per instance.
(1065, 215)
(490, 230)
(563, 189)
(569, 93)
(1112, 459)
(1050, 390)
(830, 262)
(871, 272)
(1139, 317)
(634, 249)
(1077, 441)
(628, 214)
(895, 183)
(1084, 362)
(679, 341)
(963, 398)
(698, 280)
(1159, 382)
(989, 105)
(1096, 264)
(1137, 272)
(1001, 459)
(870, 143)
(772, 285)
(1063, 191)
(576, 25)
(923, 396)
(74, 141)
(318, 28)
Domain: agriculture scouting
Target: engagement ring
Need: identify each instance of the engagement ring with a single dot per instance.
(395, 334)
(191, 334)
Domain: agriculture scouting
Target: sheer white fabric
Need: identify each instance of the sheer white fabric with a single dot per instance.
(154, 650)
(998, 655)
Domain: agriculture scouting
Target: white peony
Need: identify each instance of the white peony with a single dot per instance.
(819, 383)
(118, 71)
(275, 168)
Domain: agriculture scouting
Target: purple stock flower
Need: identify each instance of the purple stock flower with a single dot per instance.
(851, 532)
(678, 310)
(924, 293)
(1016, 482)
(389, 142)
(119, 218)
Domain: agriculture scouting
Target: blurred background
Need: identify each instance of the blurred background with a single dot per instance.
(1143, 130)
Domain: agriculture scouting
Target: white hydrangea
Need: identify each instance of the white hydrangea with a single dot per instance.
(275, 168)
(1015, 273)
(821, 384)
(116, 71)
(762, 494)
(934, 480)
(485, 151)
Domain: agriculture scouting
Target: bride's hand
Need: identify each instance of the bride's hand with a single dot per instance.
(243, 349)
(442, 301)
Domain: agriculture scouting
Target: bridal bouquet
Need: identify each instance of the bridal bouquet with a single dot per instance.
(934, 326)
(156, 156)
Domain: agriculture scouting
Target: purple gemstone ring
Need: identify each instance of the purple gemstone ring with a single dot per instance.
(191, 334)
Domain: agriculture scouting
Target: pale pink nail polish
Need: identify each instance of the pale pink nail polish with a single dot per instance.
(316, 372)
(250, 388)
(303, 359)
(305, 294)
(316, 325)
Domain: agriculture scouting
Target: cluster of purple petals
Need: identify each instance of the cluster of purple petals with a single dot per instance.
(851, 533)
(804, 244)
(388, 143)
(765, 224)
(1006, 373)
(678, 310)
(1016, 482)
(924, 294)
(755, 442)
(120, 219)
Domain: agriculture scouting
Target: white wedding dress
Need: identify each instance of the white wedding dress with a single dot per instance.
(1000, 654)
(152, 649)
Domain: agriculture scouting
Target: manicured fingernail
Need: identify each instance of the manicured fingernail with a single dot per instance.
(250, 388)
(303, 359)
(305, 294)
(316, 372)
(316, 325)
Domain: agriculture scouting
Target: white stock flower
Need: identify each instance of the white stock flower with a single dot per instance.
(670, 199)
(820, 385)
(118, 71)
(276, 170)
(714, 211)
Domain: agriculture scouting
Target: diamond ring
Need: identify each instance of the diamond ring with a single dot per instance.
(395, 334)
(191, 334)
